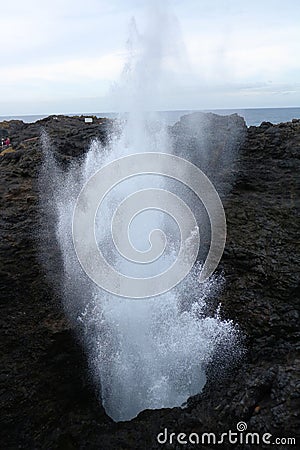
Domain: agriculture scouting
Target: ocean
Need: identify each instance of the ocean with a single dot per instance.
(252, 116)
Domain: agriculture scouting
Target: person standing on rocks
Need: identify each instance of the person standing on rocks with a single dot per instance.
(7, 142)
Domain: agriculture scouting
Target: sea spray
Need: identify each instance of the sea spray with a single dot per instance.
(146, 353)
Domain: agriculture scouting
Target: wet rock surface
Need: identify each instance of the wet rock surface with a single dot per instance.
(47, 398)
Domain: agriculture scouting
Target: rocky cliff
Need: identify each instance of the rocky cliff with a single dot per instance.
(48, 400)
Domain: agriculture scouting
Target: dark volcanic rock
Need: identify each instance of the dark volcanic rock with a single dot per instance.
(71, 135)
(211, 142)
(47, 399)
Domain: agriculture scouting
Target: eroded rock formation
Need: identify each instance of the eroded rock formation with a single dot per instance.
(48, 400)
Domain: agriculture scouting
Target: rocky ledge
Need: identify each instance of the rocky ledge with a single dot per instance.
(48, 401)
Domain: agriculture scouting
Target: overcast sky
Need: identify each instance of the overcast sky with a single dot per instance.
(64, 56)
